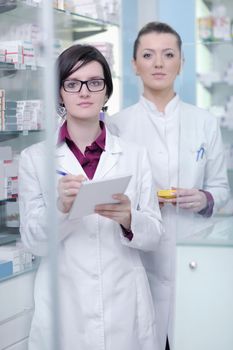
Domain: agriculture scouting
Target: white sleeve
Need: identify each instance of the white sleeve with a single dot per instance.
(146, 222)
(216, 181)
(33, 205)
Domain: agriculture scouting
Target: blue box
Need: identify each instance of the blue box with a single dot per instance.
(6, 268)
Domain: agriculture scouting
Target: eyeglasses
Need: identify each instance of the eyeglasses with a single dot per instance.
(92, 85)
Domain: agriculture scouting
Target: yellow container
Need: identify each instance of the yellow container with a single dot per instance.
(168, 194)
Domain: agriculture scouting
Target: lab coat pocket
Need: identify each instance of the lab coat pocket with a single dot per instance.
(145, 308)
(200, 154)
(200, 163)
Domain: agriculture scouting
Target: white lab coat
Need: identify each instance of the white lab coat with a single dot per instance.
(105, 299)
(196, 128)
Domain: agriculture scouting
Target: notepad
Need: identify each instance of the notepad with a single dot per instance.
(97, 192)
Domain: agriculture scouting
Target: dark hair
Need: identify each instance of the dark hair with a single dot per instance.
(157, 27)
(67, 64)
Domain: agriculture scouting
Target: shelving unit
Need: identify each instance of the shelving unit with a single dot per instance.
(25, 81)
(22, 81)
(214, 65)
(77, 25)
(7, 237)
(65, 21)
(214, 51)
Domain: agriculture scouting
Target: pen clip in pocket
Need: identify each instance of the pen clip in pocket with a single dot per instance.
(200, 152)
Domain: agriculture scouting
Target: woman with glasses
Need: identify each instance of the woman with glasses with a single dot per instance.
(105, 300)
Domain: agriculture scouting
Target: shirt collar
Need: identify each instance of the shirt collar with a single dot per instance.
(64, 134)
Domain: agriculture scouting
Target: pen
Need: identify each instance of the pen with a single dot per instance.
(200, 153)
(59, 172)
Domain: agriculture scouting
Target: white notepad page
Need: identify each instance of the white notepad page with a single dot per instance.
(97, 192)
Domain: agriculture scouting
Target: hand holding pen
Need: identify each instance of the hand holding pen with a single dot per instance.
(68, 187)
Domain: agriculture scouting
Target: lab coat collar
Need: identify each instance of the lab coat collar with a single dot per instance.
(67, 162)
(110, 157)
(169, 109)
(188, 127)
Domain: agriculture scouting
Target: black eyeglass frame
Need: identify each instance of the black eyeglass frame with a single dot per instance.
(84, 82)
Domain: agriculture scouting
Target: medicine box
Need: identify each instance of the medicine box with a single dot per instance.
(6, 268)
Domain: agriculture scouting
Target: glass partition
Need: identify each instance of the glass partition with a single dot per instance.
(204, 282)
(22, 124)
(32, 35)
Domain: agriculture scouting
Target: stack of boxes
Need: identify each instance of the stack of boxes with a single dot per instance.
(6, 268)
(28, 116)
(22, 45)
(217, 26)
(89, 8)
(82, 7)
(14, 258)
(26, 31)
(32, 2)
(2, 109)
(12, 214)
(18, 52)
(9, 189)
(20, 115)
(2, 55)
(9, 115)
(107, 10)
(8, 174)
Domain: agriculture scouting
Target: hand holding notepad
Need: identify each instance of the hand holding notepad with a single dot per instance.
(97, 192)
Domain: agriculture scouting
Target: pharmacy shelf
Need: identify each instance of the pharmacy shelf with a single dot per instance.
(64, 21)
(81, 26)
(211, 45)
(3, 201)
(9, 69)
(214, 58)
(8, 66)
(215, 42)
(8, 6)
(34, 267)
(5, 135)
(216, 85)
(9, 236)
(208, 4)
(24, 82)
(8, 135)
